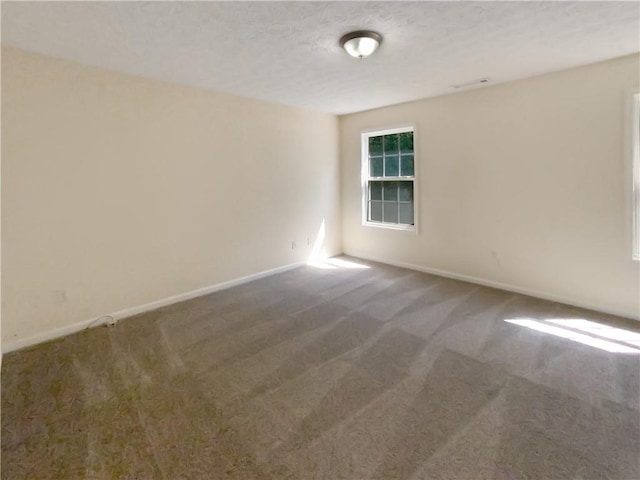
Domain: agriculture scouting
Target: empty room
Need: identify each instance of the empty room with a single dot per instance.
(320, 240)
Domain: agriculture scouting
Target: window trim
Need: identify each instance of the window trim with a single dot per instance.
(634, 152)
(364, 176)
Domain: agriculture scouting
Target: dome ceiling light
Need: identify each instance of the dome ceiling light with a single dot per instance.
(361, 44)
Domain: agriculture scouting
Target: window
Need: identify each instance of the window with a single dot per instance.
(388, 178)
(635, 146)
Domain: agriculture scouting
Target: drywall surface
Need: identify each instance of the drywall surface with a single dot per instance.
(1, 349)
(119, 191)
(521, 184)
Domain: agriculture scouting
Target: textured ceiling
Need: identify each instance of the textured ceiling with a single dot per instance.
(288, 52)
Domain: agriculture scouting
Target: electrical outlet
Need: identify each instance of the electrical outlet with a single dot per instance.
(59, 296)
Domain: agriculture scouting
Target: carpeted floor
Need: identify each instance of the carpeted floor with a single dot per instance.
(334, 373)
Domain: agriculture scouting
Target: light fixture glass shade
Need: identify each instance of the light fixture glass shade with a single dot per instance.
(361, 44)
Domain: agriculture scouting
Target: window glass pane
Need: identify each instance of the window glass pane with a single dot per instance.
(391, 212)
(375, 145)
(391, 143)
(405, 191)
(406, 165)
(406, 142)
(391, 166)
(406, 213)
(391, 191)
(376, 190)
(376, 167)
(375, 211)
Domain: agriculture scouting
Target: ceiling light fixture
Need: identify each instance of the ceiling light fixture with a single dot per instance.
(361, 44)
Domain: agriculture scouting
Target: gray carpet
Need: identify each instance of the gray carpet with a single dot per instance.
(379, 373)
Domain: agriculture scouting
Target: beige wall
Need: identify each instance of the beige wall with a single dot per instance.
(118, 191)
(521, 184)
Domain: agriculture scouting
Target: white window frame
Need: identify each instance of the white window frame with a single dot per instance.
(634, 137)
(365, 178)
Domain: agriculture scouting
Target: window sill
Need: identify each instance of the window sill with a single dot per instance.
(391, 226)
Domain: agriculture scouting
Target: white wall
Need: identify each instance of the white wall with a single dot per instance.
(119, 191)
(1, 349)
(520, 184)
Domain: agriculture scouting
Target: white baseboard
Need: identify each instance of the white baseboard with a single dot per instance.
(130, 312)
(498, 285)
